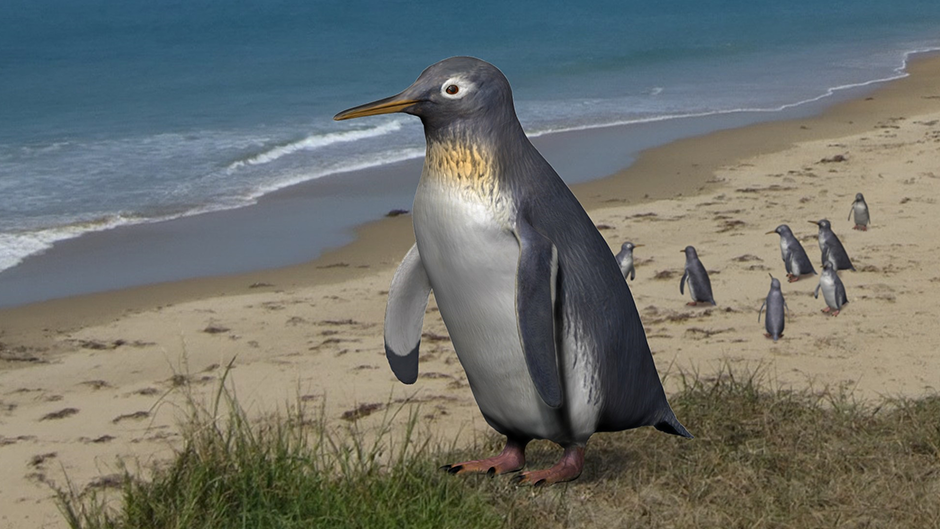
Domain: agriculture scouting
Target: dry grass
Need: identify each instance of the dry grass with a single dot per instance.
(763, 457)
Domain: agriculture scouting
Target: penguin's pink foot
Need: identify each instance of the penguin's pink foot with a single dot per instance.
(567, 469)
(767, 335)
(863, 228)
(511, 459)
(835, 313)
(827, 309)
(792, 278)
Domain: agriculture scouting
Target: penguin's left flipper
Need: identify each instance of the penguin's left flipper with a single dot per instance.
(841, 298)
(761, 310)
(404, 316)
(535, 309)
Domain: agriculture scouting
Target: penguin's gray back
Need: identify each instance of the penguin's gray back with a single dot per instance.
(774, 318)
(798, 263)
(833, 251)
(700, 286)
(603, 343)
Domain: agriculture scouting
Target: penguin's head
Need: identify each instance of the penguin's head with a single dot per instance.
(780, 230)
(822, 223)
(690, 252)
(458, 89)
(827, 266)
(859, 197)
(629, 246)
(774, 283)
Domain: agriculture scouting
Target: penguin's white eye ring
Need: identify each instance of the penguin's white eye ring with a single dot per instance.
(456, 87)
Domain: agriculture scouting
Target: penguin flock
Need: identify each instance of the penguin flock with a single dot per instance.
(541, 319)
(795, 261)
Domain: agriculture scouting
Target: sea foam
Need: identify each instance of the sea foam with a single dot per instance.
(316, 141)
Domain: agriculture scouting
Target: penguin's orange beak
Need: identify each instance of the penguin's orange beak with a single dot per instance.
(396, 103)
(770, 232)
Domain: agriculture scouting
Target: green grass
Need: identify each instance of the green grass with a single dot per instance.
(762, 457)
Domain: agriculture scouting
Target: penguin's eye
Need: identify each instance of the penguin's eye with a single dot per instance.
(456, 87)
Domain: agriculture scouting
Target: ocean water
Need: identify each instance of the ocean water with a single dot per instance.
(128, 112)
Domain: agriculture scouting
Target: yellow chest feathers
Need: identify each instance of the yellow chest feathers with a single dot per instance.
(465, 166)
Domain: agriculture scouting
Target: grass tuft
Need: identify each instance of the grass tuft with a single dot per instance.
(762, 457)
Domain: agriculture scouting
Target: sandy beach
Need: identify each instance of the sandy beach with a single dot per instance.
(87, 380)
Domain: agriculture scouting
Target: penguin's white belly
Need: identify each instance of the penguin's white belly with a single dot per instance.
(861, 214)
(626, 264)
(691, 284)
(471, 259)
(783, 248)
(829, 291)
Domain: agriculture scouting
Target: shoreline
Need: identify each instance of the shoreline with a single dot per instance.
(91, 379)
(379, 244)
(298, 223)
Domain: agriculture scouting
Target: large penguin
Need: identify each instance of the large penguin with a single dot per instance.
(539, 314)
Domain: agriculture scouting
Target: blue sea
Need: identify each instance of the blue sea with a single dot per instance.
(115, 113)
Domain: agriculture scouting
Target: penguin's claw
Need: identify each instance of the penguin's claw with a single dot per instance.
(511, 459)
(451, 469)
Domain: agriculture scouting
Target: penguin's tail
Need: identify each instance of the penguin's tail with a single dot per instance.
(670, 424)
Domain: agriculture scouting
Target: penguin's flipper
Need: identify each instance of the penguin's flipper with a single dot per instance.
(786, 262)
(816, 292)
(685, 275)
(632, 273)
(761, 310)
(535, 310)
(404, 316)
(851, 211)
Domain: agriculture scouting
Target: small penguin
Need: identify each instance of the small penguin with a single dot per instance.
(700, 288)
(833, 290)
(794, 256)
(831, 247)
(625, 259)
(775, 304)
(860, 209)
